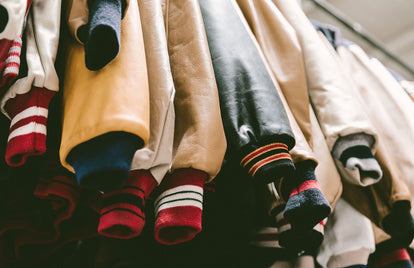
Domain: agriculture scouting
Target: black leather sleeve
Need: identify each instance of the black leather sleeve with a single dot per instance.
(255, 123)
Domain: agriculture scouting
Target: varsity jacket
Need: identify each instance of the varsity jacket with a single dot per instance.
(407, 85)
(257, 130)
(125, 207)
(26, 101)
(348, 131)
(199, 140)
(389, 109)
(106, 113)
(12, 15)
(282, 50)
(349, 238)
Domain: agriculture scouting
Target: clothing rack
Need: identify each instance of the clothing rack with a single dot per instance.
(361, 32)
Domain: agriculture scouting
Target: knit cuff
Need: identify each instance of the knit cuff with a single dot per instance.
(400, 224)
(27, 134)
(355, 161)
(103, 42)
(396, 258)
(298, 239)
(306, 205)
(11, 65)
(103, 163)
(268, 163)
(122, 213)
(178, 207)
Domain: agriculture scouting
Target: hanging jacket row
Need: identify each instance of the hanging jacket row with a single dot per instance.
(156, 97)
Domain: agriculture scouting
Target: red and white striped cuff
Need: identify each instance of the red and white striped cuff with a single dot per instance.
(27, 134)
(178, 207)
(12, 65)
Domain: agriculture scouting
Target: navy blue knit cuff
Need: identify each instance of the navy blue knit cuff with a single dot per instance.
(103, 163)
(104, 35)
(400, 224)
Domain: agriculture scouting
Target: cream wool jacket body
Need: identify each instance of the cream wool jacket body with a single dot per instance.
(327, 86)
(157, 155)
(379, 93)
(42, 39)
(199, 141)
(115, 98)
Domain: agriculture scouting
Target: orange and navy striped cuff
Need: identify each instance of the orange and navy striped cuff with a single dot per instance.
(259, 162)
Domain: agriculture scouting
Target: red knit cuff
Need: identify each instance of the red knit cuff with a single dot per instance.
(11, 64)
(27, 134)
(122, 213)
(178, 207)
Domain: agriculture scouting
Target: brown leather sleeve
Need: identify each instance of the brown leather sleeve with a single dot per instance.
(199, 139)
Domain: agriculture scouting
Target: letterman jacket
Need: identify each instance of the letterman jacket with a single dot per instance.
(389, 109)
(26, 102)
(106, 113)
(199, 140)
(347, 129)
(255, 123)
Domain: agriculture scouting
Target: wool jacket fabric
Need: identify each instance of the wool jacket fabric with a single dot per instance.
(257, 130)
(12, 18)
(328, 88)
(283, 53)
(373, 87)
(26, 101)
(198, 127)
(352, 153)
(114, 99)
(349, 238)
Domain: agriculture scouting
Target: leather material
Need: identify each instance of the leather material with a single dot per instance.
(328, 88)
(199, 141)
(157, 155)
(42, 39)
(116, 98)
(252, 112)
(283, 52)
(16, 13)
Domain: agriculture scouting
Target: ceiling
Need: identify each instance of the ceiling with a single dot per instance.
(390, 22)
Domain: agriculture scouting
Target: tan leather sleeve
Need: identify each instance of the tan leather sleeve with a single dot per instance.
(115, 98)
(77, 15)
(282, 51)
(157, 155)
(199, 140)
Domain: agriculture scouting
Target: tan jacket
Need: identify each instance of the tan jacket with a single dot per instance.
(390, 111)
(115, 98)
(283, 53)
(328, 88)
(157, 155)
(199, 141)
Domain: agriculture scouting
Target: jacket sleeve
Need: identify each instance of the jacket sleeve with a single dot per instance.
(256, 126)
(283, 53)
(12, 14)
(157, 155)
(98, 104)
(199, 141)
